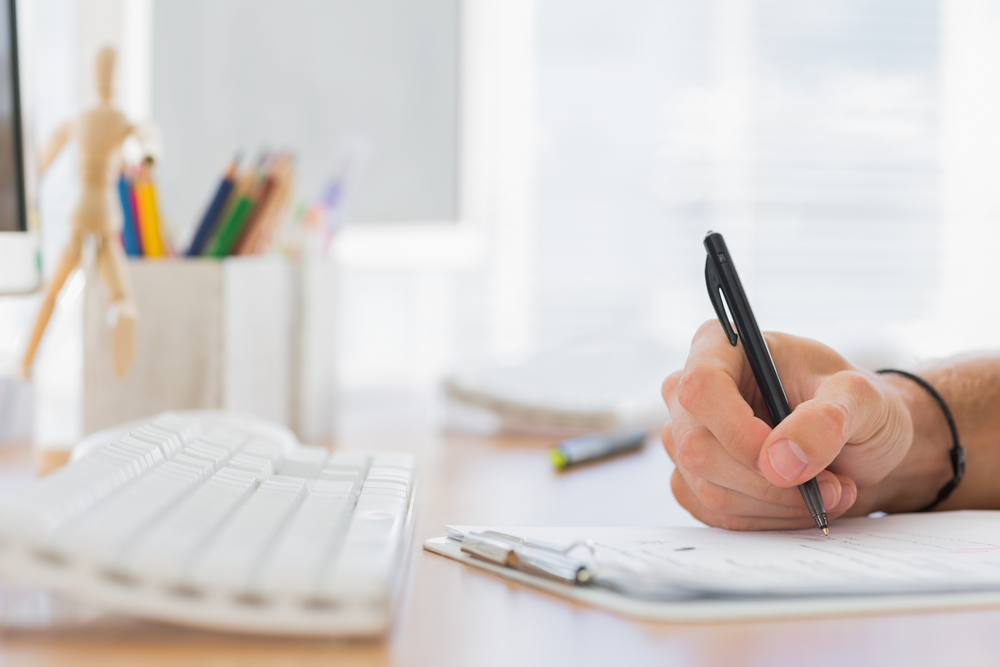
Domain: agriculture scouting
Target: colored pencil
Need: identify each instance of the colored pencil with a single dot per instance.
(134, 207)
(249, 234)
(231, 225)
(149, 223)
(210, 220)
(130, 234)
(283, 174)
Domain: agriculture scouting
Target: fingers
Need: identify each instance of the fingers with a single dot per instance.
(718, 485)
(698, 454)
(690, 499)
(734, 470)
(709, 389)
(722, 500)
(847, 407)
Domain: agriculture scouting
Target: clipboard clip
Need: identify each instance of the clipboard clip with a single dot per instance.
(615, 570)
(529, 556)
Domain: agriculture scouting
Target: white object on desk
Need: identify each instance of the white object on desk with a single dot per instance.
(901, 562)
(594, 385)
(220, 521)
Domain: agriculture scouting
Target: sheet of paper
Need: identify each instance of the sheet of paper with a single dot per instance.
(936, 552)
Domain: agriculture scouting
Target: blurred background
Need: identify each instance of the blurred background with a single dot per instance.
(541, 172)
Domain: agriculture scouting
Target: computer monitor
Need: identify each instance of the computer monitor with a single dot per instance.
(19, 256)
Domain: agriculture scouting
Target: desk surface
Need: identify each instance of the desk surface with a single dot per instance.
(453, 615)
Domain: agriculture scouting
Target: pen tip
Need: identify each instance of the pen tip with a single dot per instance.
(826, 531)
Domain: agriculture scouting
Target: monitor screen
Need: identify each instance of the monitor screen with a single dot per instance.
(12, 218)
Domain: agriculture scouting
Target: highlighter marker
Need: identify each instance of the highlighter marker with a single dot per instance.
(594, 446)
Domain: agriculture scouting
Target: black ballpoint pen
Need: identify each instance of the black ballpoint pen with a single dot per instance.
(724, 282)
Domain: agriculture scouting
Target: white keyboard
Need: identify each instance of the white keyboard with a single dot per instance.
(213, 520)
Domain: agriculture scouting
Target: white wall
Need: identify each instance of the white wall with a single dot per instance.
(308, 76)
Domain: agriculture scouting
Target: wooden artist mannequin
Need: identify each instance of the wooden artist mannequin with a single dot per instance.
(100, 133)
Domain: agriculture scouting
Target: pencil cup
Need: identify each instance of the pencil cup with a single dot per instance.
(254, 334)
(211, 334)
(313, 381)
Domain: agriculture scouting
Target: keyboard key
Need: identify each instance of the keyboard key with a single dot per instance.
(348, 460)
(234, 553)
(259, 456)
(314, 532)
(168, 445)
(183, 427)
(363, 573)
(265, 449)
(73, 490)
(252, 464)
(170, 545)
(231, 440)
(106, 531)
(304, 461)
(168, 431)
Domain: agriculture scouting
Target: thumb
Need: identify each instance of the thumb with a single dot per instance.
(847, 407)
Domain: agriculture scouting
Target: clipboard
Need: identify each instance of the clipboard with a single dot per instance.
(699, 610)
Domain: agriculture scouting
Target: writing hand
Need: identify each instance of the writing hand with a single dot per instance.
(848, 428)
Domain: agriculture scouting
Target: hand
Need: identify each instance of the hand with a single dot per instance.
(848, 428)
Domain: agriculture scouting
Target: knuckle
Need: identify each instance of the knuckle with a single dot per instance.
(715, 498)
(690, 455)
(856, 384)
(834, 418)
(708, 326)
(669, 386)
(690, 386)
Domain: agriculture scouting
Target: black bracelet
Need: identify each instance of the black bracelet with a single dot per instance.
(957, 451)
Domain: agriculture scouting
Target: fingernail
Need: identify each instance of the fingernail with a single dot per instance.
(787, 459)
(828, 491)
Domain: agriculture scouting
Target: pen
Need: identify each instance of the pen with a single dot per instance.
(593, 446)
(724, 283)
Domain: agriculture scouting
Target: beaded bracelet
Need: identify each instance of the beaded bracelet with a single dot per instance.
(957, 453)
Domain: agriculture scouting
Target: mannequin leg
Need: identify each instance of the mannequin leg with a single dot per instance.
(114, 272)
(69, 260)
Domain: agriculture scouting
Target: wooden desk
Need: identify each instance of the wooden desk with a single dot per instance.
(453, 615)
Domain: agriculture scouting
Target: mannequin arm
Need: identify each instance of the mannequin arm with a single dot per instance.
(54, 145)
(148, 136)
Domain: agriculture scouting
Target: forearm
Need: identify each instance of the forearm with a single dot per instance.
(971, 388)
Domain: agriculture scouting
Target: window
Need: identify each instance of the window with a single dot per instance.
(846, 149)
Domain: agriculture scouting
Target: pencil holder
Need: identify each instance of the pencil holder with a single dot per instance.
(252, 334)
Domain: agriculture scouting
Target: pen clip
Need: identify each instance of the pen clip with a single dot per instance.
(715, 294)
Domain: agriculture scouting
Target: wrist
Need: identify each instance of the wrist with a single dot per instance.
(926, 468)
